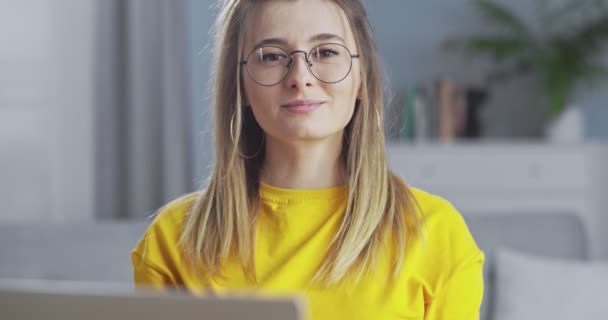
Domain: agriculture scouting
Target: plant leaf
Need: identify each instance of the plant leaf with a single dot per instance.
(558, 82)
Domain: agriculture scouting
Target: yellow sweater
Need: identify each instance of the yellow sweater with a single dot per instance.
(441, 277)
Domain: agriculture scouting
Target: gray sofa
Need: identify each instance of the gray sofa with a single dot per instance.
(78, 252)
(100, 251)
(548, 234)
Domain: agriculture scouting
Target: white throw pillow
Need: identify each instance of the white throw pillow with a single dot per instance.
(531, 287)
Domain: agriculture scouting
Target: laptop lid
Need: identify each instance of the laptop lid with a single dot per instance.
(44, 300)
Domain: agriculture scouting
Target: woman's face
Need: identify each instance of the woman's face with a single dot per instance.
(300, 107)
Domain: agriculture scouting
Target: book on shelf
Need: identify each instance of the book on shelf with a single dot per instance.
(442, 110)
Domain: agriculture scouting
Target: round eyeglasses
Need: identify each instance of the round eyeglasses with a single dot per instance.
(269, 65)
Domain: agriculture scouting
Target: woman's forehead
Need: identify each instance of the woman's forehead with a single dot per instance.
(296, 23)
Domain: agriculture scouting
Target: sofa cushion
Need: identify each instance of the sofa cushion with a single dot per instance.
(534, 287)
(546, 233)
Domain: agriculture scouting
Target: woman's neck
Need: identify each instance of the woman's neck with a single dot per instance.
(314, 164)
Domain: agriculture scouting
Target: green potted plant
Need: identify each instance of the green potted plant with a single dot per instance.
(562, 51)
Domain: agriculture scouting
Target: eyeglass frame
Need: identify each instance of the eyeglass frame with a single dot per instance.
(308, 62)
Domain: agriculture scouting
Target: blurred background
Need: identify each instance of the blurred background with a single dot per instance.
(104, 104)
(500, 106)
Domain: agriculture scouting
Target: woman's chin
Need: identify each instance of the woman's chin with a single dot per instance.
(306, 134)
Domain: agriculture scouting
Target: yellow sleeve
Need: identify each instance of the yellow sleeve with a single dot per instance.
(461, 295)
(452, 268)
(147, 276)
(156, 258)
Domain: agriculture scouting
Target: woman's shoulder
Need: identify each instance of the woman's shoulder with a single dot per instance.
(174, 212)
(444, 228)
(434, 208)
(165, 228)
(160, 240)
(427, 199)
(157, 256)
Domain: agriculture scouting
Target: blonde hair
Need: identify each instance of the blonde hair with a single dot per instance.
(222, 220)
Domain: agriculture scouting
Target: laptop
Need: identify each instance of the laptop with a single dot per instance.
(59, 300)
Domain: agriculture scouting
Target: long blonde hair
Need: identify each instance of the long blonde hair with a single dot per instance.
(223, 218)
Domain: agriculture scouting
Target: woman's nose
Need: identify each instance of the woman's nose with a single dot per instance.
(299, 74)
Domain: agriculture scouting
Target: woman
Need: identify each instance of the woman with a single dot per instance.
(300, 198)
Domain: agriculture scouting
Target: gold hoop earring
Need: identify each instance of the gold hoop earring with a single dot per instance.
(232, 128)
(257, 152)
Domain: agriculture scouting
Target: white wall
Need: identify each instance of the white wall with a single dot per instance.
(46, 125)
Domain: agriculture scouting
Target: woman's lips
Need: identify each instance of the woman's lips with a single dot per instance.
(303, 106)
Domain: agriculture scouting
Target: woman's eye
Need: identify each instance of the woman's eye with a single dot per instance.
(272, 57)
(327, 53)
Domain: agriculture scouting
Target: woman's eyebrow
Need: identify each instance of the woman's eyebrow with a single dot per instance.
(283, 42)
(326, 36)
(271, 41)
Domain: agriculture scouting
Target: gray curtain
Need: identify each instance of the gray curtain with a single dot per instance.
(143, 133)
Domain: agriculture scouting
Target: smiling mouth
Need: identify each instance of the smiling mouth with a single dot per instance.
(303, 106)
